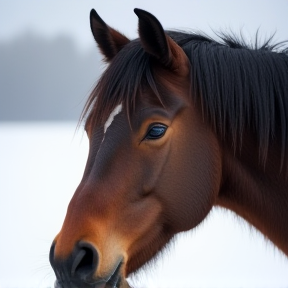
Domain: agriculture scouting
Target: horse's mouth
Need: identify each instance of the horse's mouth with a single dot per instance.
(115, 279)
(112, 281)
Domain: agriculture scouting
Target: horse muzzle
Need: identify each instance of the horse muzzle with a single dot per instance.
(79, 269)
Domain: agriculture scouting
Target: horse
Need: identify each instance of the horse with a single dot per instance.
(177, 123)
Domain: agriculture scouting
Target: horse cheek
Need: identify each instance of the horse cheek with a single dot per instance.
(191, 179)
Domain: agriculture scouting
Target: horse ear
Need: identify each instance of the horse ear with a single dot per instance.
(108, 39)
(156, 42)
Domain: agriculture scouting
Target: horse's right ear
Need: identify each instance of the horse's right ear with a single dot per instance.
(109, 40)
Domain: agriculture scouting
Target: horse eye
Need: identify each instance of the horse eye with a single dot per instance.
(156, 131)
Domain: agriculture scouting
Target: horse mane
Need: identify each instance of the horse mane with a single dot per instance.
(237, 85)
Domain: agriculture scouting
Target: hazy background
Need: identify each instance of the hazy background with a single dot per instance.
(48, 66)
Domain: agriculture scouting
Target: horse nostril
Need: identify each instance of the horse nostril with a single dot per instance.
(84, 262)
(80, 266)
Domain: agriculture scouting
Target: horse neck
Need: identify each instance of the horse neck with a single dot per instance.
(258, 194)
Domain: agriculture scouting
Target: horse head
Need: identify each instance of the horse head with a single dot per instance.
(153, 169)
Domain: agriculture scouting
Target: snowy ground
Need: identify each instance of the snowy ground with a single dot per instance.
(40, 167)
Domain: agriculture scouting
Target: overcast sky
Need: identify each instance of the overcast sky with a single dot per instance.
(49, 61)
(51, 18)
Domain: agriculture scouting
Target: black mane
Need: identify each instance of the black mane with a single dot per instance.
(238, 85)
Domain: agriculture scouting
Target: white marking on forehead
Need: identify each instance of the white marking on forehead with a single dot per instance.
(110, 119)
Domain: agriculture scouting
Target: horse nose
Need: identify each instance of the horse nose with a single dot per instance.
(80, 266)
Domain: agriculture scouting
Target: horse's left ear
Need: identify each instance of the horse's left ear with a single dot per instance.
(157, 43)
(108, 39)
